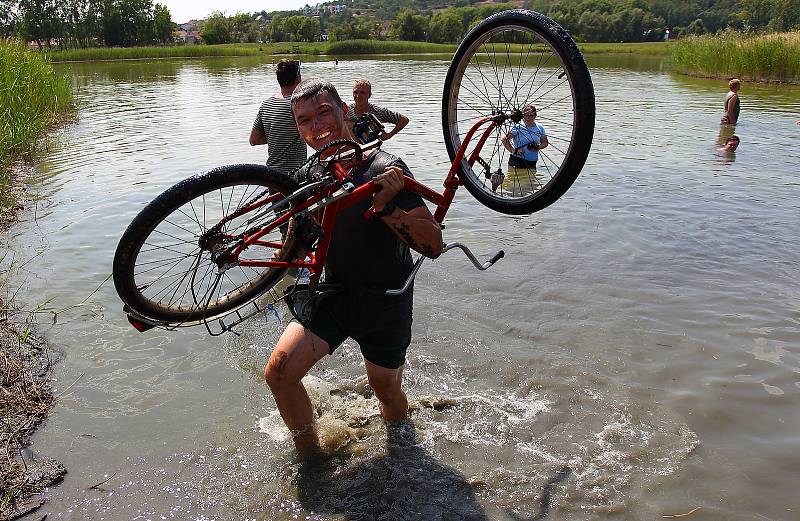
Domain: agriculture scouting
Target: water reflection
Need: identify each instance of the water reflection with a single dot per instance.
(648, 283)
(725, 132)
(87, 74)
(771, 97)
(727, 143)
(627, 61)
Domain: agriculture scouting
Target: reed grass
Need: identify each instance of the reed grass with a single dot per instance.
(350, 47)
(32, 99)
(343, 48)
(188, 51)
(771, 57)
(353, 47)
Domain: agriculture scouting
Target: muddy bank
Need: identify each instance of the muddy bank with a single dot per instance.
(26, 396)
(25, 400)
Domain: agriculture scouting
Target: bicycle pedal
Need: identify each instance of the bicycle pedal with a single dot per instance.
(497, 180)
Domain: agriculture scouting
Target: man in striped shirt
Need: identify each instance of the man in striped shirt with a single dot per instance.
(274, 125)
(362, 90)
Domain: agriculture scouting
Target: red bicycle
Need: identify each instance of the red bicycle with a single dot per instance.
(213, 243)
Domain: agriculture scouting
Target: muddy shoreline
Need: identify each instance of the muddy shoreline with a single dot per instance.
(26, 397)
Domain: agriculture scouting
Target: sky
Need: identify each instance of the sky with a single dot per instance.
(184, 10)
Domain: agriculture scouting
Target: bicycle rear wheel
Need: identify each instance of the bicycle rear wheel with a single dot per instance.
(163, 267)
(509, 61)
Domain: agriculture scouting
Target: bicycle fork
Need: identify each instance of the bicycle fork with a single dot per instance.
(447, 247)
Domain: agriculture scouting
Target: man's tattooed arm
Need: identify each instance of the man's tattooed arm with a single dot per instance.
(418, 229)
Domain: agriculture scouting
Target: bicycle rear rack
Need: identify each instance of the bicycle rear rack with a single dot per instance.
(232, 319)
(226, 322)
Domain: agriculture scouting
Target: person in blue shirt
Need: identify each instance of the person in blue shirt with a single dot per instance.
(524, 141)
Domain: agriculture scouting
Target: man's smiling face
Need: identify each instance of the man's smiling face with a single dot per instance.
(320, 120)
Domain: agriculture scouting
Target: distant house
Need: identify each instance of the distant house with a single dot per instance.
(188, 32)
(185, 36)
(44, 42)
(191, 25)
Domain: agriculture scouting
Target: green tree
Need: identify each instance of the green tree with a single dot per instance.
(137, 20)
(358, 29)
(163, 26)
(39, 20)
(83, 22)
(697, 27)
(127, 22)
(410, 26)
(243, 27)
(309, 30)
(275, 31)
(291, 27)
(445, 26)
(8, 17)
(675, 12)
(216, 29)
(362, 29)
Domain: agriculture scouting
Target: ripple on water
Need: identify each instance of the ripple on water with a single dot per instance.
(658, 299)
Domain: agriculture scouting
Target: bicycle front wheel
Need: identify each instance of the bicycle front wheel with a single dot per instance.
(507, 63)
(163, 266)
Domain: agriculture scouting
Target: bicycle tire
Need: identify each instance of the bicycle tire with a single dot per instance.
(497, 69)
(160, 267)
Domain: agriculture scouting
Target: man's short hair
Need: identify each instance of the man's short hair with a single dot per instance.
(314, 87)
(363, 83)
(733, 138)
(287, 72)
(734, 82)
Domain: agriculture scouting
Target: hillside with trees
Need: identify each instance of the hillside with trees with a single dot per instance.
(86, 23)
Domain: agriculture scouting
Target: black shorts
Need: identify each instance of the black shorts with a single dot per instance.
(518, 162)
(380, 324)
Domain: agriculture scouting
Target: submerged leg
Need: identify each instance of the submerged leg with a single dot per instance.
(387, 384)
(294, 355)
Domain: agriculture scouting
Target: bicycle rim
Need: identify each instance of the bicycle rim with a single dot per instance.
(164, 271)
(508, 62)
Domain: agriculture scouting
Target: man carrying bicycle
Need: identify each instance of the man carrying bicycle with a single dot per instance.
(365, 257)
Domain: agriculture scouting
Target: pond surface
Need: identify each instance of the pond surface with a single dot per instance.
(643, 332)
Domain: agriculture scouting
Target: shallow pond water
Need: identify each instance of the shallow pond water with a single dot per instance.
(642, 332)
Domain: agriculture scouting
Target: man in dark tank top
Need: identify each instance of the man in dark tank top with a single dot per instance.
(365, 258)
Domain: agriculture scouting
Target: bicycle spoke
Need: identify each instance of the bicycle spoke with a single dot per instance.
(512, 61)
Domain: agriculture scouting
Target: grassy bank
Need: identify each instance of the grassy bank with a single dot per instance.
(388, 47)
(32, 99)
(771, 57)
(188, 51)
(251, 49)
(349, 47)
